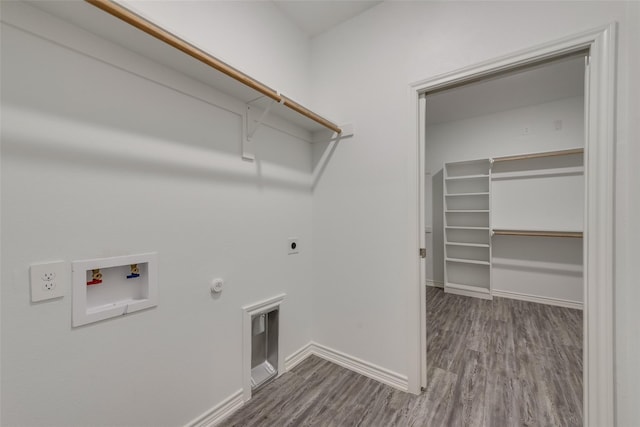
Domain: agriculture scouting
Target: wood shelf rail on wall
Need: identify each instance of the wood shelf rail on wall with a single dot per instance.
(176, 42)
(531, 233)
(539, 155)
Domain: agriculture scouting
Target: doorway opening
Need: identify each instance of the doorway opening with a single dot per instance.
(597, 276)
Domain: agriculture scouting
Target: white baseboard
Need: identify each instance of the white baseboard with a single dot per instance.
(298, 357)
(435, 284)
(538, 299)
(219, 412)
(360, 366)
(467, 291)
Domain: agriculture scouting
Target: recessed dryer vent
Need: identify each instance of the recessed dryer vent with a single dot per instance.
(264, 347)
(261, 343)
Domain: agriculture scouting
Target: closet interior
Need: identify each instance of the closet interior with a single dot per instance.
(505, 194)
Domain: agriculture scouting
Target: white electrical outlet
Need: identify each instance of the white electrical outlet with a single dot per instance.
(294, 246)
(47, 280)
(48, 276)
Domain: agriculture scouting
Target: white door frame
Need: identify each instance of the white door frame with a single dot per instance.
(598, 357)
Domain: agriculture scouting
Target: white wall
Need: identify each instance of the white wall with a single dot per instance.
(97, 161)
(252, 36)
(501, 134)
(428, 224)
(361, 205)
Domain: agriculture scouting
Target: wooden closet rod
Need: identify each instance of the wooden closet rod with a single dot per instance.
(573, 234)
(172, 40)
(539, 155)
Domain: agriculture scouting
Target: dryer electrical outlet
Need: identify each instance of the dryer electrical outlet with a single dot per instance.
(293, 246)
(48, 280)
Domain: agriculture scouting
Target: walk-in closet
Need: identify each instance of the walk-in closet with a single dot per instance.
(505, 193)
(504, 196)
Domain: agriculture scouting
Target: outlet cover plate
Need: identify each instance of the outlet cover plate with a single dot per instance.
(48, 280)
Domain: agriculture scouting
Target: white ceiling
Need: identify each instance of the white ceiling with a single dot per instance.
(557, 80)
(316, 16)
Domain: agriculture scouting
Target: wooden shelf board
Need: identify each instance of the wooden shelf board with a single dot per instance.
(466, 177)
(466, 194)
(467, 211)
(461, 227)
(469, 162)
(468, 261)
(569, 152)
(471, 245)
(532, 174)
(537, 233)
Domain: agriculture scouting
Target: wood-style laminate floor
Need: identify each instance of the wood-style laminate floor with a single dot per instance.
(493, 363)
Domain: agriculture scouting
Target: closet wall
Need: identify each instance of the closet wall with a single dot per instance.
(118, 155)
(537, 267)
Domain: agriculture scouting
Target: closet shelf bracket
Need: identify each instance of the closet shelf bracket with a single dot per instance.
(260, 121)
(348, 131)
(249, 128)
